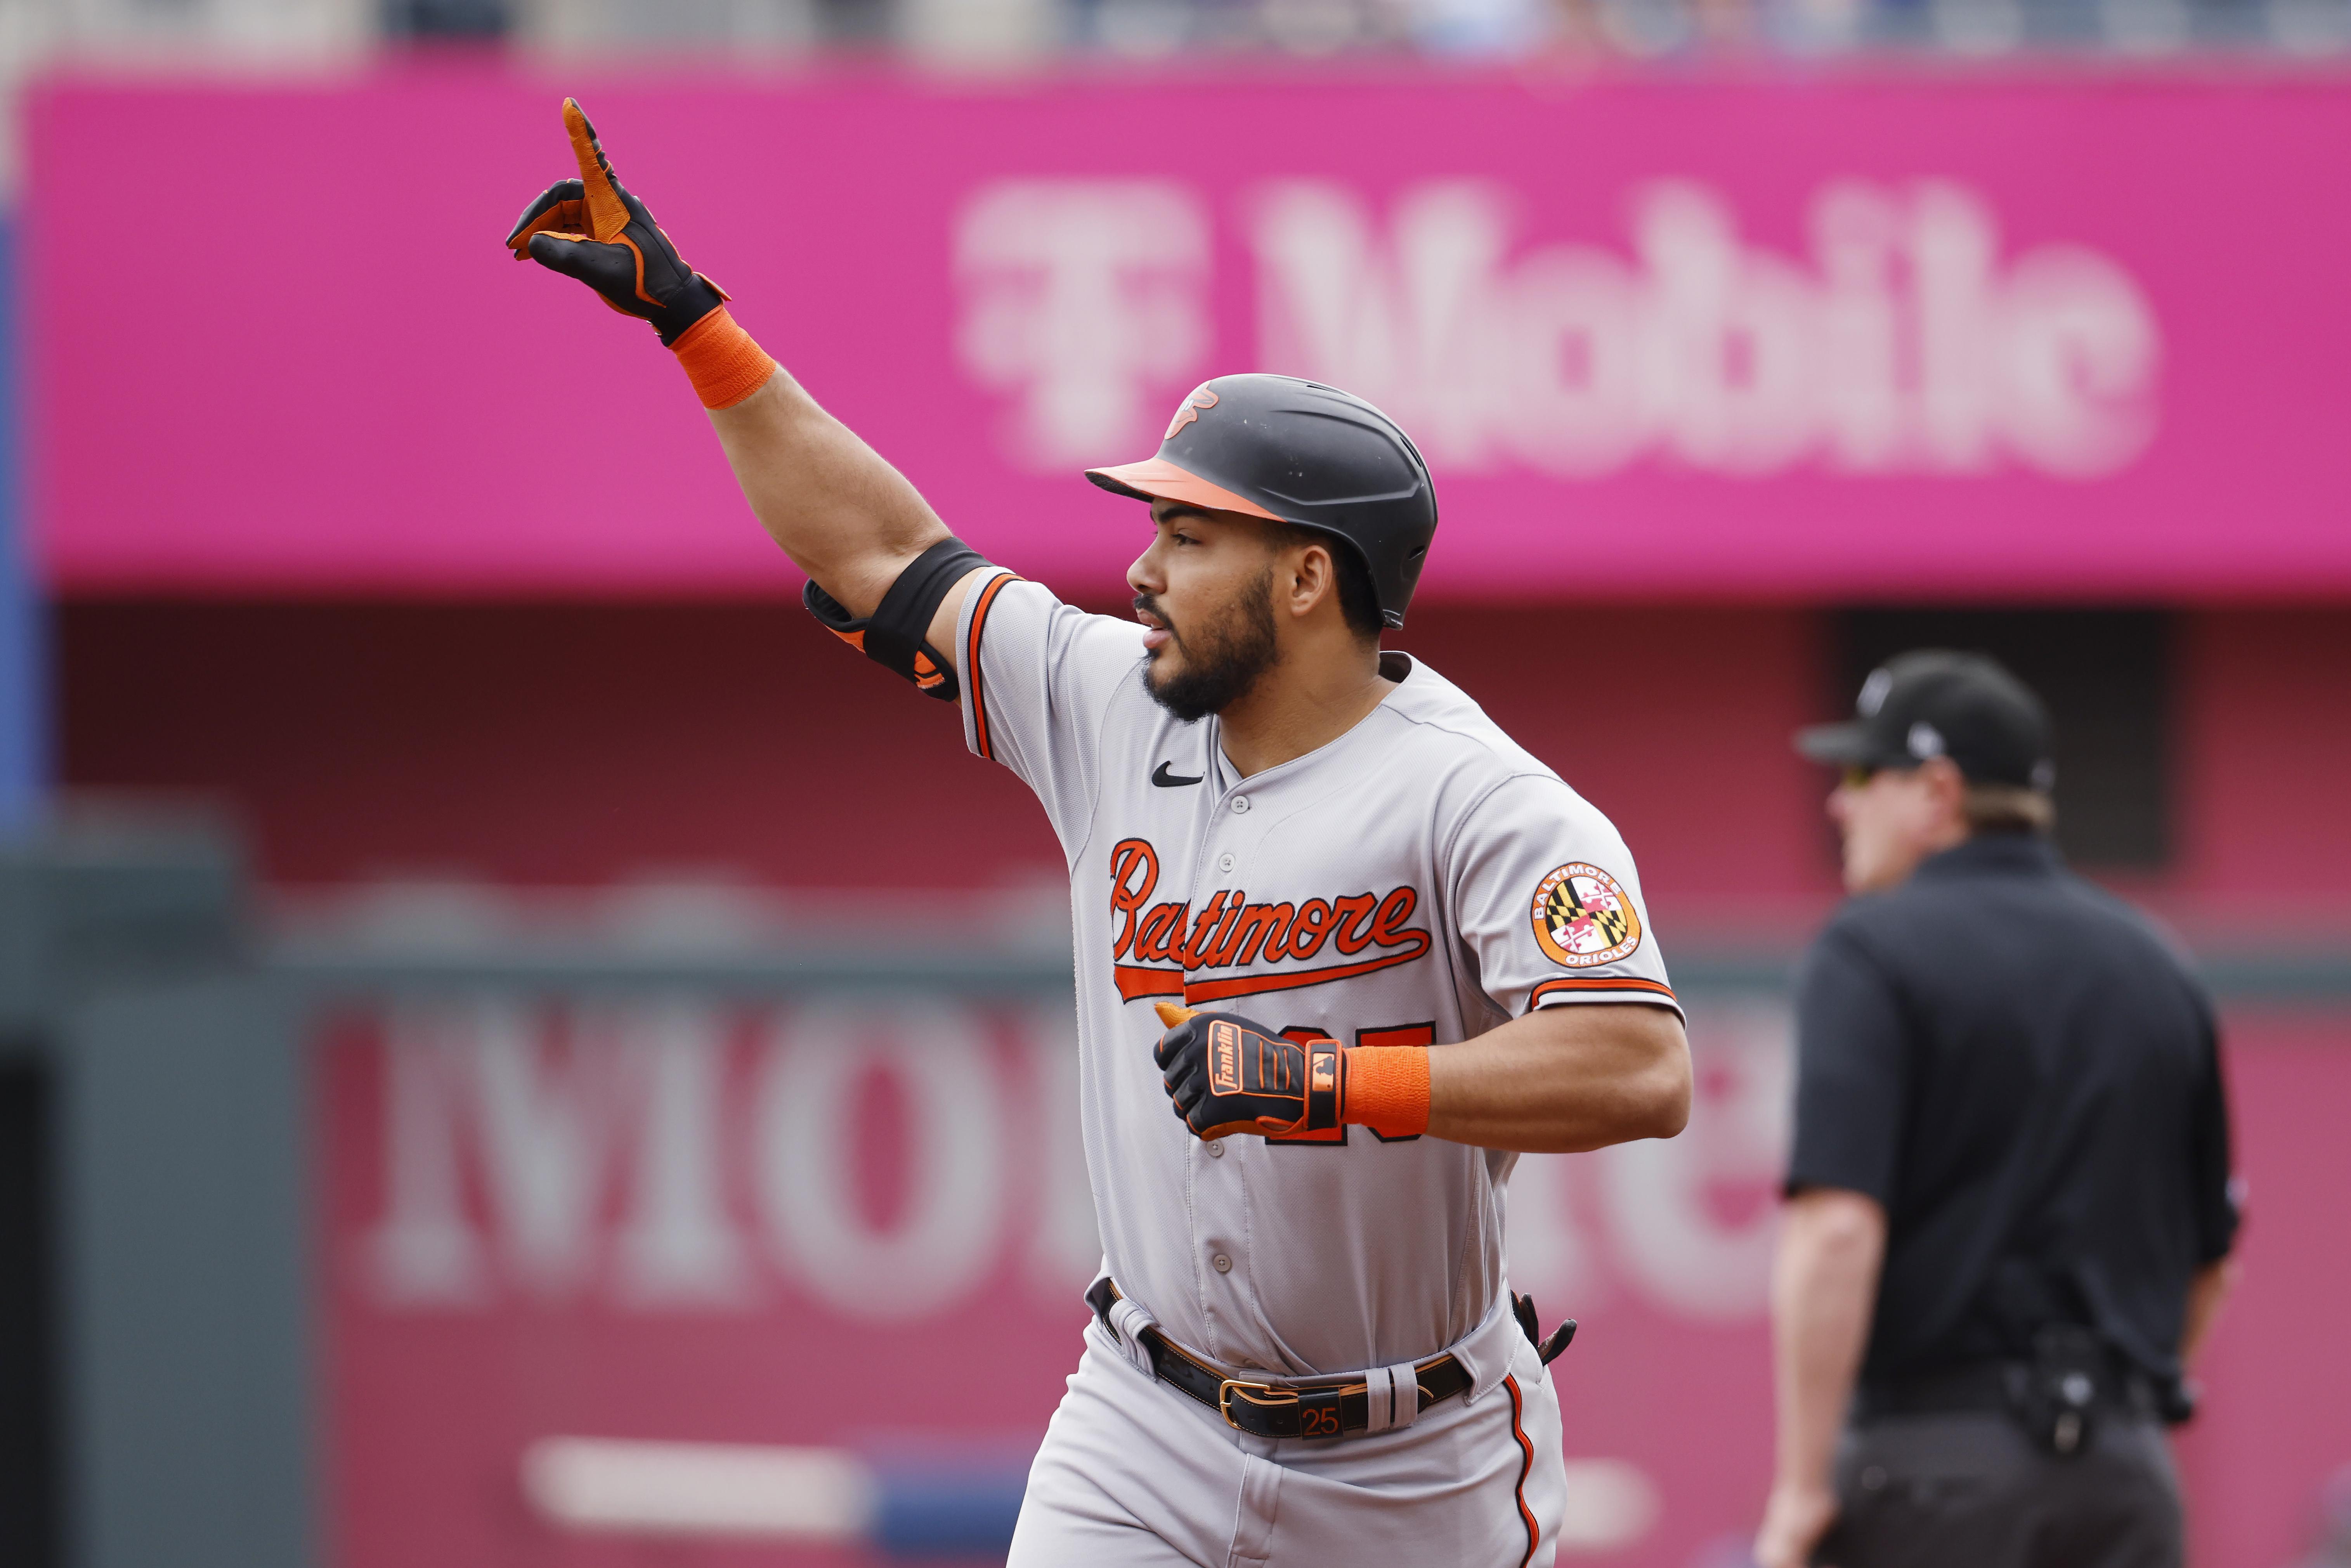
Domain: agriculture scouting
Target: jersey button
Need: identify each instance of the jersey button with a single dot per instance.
(1216, 1151)
(1224, 1264)
(1240, 803)
(1225, 860)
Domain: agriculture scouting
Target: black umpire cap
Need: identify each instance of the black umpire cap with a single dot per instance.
(1934, 702)
(1298, 452)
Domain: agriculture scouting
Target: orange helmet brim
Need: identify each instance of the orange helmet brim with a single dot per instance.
(1157, 479)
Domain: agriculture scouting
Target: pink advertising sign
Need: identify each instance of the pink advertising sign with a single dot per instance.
(864, 1223)
(2065, 337)
(861, 1226)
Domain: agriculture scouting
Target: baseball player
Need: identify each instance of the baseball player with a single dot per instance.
(1343, 949)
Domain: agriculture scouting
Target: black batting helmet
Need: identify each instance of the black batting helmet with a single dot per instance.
(1298, 452)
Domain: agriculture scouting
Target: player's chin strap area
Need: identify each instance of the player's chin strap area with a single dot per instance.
(1384, 1400)
(893, 635)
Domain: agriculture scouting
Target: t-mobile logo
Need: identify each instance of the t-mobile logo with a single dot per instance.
(1086, 297)
(1908, 345)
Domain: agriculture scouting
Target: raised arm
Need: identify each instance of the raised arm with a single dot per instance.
(844, 515)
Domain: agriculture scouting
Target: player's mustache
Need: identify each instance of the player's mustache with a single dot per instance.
(1145, 604)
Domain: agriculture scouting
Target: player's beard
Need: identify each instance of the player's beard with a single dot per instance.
(1223, 659)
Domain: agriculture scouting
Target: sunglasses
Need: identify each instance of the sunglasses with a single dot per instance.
(1857, 774)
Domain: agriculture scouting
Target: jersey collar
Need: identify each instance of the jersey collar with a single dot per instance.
(2015, 854)
(1398, 667)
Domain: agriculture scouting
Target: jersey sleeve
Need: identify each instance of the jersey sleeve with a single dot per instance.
(1852, 1071)
(1549, 903)
(2217, 1195)
(1038, 679)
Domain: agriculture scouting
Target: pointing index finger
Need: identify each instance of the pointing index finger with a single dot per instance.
(606, 216)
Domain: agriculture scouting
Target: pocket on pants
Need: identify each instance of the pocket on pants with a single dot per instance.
(1925, 1490)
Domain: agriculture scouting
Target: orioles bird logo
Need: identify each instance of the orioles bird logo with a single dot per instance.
(1184, 415)
(1583, 917)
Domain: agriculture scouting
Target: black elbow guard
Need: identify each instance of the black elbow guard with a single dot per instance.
(894, 635)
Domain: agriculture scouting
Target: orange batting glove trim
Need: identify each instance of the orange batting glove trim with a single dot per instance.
(1388, 1088)
(722, 361)
(607, 214)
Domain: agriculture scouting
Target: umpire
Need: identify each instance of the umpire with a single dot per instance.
(2009, 1202)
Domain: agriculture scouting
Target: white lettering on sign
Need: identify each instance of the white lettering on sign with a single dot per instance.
(675, 1246)
(1087, 298)
(425, 1251)
(1686, 1224)
(946, 1235)
(1066, 1248)
(1695, 1218)
(690, 1155)
(1907, 345)
(547, 1119)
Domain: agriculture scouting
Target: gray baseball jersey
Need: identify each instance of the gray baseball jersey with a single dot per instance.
(1417, 882)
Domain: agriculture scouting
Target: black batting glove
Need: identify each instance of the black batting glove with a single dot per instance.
(1228, 1074)
(592, 229)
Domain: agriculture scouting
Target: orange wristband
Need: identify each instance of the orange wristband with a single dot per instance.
(721, 361)
(1387, 1088)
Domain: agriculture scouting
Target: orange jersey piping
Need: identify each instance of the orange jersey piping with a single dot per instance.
(1526, 1467)
(1601, 983)
(971, 681)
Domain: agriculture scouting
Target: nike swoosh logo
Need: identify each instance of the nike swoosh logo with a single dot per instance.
(1166, 781)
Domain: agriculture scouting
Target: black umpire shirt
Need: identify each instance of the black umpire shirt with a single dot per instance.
(2027, 1078)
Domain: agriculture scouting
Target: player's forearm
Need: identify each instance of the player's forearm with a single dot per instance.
(848, 518)
(2206, 1292)
(1564, 1079)
(843, 513)
(1824, 1291)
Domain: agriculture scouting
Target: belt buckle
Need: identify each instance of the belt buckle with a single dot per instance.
(1275, 1395)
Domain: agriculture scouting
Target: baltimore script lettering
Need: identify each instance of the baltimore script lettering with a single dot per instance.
(1162, 949)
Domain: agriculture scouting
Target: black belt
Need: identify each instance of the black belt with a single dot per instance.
(1277, 1409)
(1992, 1385)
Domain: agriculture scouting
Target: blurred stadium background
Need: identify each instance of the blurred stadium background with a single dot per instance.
(480, 970)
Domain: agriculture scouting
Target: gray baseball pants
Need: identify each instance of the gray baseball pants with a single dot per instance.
(1133, 1474)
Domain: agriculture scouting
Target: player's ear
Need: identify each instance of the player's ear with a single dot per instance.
(1313, 578)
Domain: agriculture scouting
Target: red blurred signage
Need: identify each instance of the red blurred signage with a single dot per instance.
(859, 1225)
(865, 1225)
(862, 1226)
(1839, 337)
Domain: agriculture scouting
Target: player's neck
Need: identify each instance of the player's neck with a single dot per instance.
(1306, 702)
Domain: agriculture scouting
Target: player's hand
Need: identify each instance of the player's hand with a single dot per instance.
(1226, 1074)
(592, 229)
(1794, 1521)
